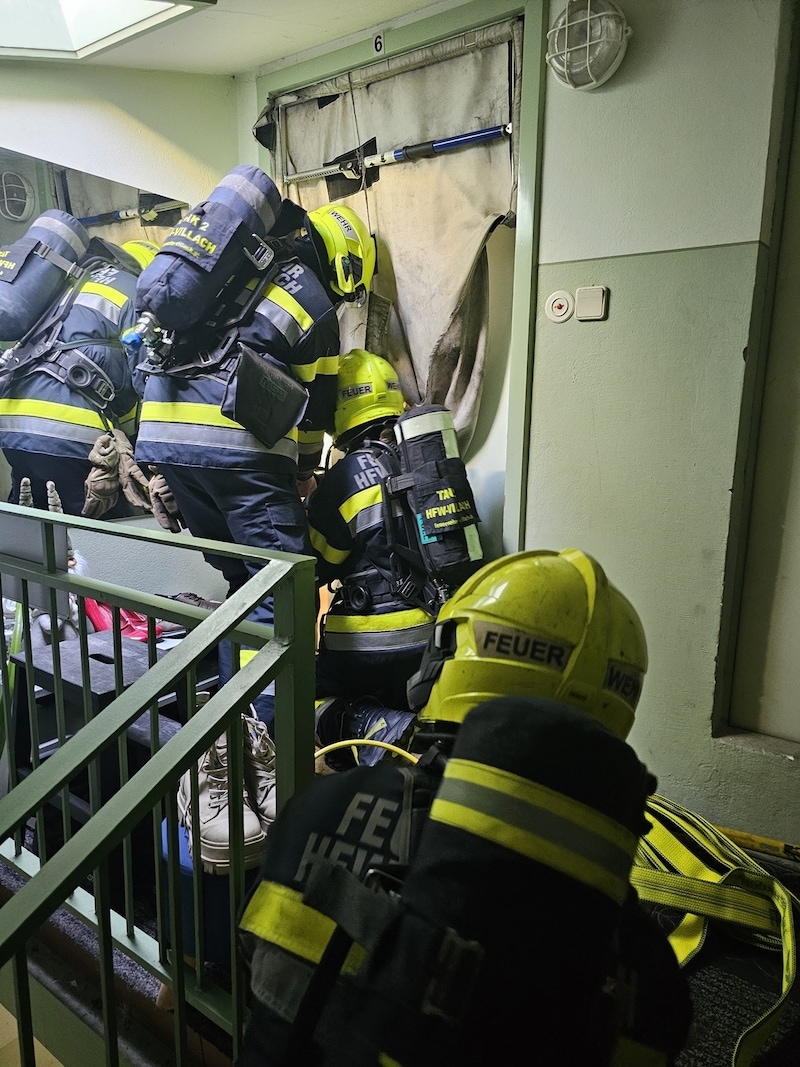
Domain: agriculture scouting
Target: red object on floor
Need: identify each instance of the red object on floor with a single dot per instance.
(132, 623)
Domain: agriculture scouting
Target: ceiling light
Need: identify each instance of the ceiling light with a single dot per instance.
(74, 29)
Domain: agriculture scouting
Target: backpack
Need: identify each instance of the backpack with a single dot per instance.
(427, 483)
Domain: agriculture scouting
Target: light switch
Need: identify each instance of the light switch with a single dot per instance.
(591, 303)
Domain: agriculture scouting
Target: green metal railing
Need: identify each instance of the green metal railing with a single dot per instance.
(92, 869)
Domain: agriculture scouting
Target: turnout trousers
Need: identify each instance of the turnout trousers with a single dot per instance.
(252, 507)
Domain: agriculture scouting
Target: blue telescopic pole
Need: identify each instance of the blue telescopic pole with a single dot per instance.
(354, 168)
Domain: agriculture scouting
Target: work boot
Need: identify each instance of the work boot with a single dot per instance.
(195, 600)
(259, 769)
(212, 781)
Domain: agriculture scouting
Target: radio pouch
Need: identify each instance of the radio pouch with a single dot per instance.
(263, 396)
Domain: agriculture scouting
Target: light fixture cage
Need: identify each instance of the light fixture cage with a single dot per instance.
(16, 197)
(587, 43)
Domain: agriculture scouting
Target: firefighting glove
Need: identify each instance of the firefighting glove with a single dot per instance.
(102, 484)
(133, 481)
(165, 506)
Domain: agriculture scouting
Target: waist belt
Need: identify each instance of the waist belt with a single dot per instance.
(359, 592)
(81, 374)
(69, 365)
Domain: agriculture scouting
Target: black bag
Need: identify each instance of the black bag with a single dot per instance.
(429, 486)
(264, 396)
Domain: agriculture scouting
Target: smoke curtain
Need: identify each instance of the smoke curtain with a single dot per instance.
(429, 308)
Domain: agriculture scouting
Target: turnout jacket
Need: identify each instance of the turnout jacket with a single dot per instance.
(347, 526)
(294, 322)
(39, 412)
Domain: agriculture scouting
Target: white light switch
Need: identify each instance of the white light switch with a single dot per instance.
(591, 303)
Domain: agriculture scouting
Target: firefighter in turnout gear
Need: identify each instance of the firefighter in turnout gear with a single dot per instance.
(512, 923)
(372, 639)
(74, 380)
(229, 485)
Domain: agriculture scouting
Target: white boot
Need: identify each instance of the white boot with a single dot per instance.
(212, 780)
(259, 769)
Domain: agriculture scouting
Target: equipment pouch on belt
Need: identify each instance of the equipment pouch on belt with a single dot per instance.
(263, 396)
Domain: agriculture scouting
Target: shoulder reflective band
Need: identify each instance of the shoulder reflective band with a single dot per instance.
(685, 862)
(536, 822)
(278, 915)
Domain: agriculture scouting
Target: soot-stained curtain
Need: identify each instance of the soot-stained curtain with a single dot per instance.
(429, 307)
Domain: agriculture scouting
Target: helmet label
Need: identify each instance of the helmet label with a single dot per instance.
(625, 681)
(504, 642)
(351, 391)
(345, 225)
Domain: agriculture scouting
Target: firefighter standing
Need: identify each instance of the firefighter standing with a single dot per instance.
(228, 485)
(81, 385)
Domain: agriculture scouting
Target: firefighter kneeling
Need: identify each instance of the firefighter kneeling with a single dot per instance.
(388, 934)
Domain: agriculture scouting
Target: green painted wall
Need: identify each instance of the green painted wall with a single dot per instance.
(660, 186)
(633, 440)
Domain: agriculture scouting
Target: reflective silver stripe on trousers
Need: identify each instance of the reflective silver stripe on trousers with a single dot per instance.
(382, 641)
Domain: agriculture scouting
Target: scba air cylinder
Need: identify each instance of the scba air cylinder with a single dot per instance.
(33, 270)
(208, 246)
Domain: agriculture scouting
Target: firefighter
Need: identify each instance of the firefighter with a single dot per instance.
(81, 385)
(227, 484)
(537, 662)
(372, 639)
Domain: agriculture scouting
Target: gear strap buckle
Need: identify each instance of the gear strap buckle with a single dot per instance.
(262, 255)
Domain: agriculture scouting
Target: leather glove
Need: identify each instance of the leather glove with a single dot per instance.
(165, 506)
(102, 484)
(134, 483)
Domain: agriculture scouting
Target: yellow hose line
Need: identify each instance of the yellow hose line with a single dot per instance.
(366, 741)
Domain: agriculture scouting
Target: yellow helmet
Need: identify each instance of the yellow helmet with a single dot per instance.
(368, 389)
(350, 249)
(143, 252)
(545, 624)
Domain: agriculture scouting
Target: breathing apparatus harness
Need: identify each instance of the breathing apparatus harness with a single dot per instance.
(406, 577)
(40, 351)
(426, 492)
(209, 346)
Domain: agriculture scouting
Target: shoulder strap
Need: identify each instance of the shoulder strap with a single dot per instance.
(43, 335)
(686, 863)
(269, 257)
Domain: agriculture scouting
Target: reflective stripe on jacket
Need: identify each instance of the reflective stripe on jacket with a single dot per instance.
(39, 413)
(347, 526)
(296, 323)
